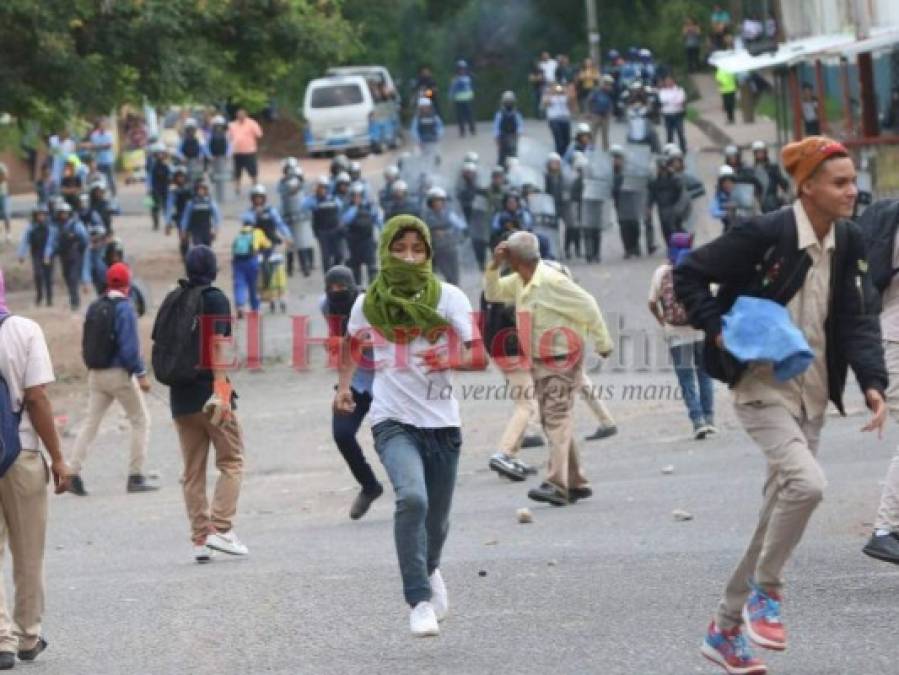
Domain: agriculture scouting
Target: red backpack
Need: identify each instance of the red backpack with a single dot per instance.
(673, 312)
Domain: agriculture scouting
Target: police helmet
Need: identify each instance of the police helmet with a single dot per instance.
(645, 53)
(98, 183)
(289, 163)
(583, 128)
(613, 55)
(759, 145)
(355, 168)
(469, 167)
(84, 200)
(342, 177)
(257, 190)
(617, 151)
(472, 157)
(461, 63)
(339, 163)
(357, 188)
(508, 97)
(553, 157)
(498, 171)
(726, 171)
(731, 151)
(219, 121)
(400, 186)
(322, 181)
(674, 153)
(424, 102)
(607, 79)
(40, 208)
(190, 123)
(391, 172)
(179, 171)
(158, 147)
(436, 193)
(63, 207)
(636, 85)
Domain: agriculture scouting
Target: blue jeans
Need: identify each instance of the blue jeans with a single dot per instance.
(108, 170)
(246, 273)
(421, 464)
(687, 360)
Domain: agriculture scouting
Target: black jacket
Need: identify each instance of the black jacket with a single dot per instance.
(760, 257)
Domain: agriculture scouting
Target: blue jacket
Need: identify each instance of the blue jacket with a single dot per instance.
(497, 119)
(53, 240)
(249, 218)
(185, 217)
(127, 344)
(523, 216)
(349, 214)
(462, 87)
(438, 124)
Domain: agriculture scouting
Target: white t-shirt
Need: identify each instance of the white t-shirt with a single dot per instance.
(676, 335)
(672, 100)
(403, 391)
(24, 363)
(549, 70)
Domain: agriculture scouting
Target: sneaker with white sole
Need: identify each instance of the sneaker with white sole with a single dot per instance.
(423, 621)
(202, 553)
(439, 597)
(226, 542)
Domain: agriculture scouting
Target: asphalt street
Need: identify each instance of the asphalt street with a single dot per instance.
(613, 585)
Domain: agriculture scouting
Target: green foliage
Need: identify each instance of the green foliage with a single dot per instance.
(65, 57)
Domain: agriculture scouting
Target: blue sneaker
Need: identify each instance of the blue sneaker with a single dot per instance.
(761, 615)
(730, 650)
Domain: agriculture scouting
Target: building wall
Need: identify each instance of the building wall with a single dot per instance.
(884, 12)
(806, 18)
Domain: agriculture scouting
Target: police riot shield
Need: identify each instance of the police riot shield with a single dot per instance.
(744, 199)
(635, 183)
(415, 171)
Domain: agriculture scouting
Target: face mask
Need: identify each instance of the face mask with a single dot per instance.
(341, 302)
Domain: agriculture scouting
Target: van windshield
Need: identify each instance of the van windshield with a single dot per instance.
(335, 96)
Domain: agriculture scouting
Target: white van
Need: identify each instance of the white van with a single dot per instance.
(354, 108)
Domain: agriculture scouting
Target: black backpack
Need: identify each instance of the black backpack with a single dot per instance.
(878, 225)
(176, 336)
(98, 341)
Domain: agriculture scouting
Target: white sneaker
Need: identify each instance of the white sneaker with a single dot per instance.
(226, 542)
(202, 553)
(422, 620)
(439, 597)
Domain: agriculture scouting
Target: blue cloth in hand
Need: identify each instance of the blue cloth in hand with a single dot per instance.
(761, 330)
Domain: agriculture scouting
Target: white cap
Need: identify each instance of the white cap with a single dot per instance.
(553, 157)
(218, 120)
(674, 153)
(471, 167)
(731, 151)
(322, 181)
(759, 145)
(617, 150)
(424, 101)
(508, 97)
(358, 188)
(725, 171)
(355, 167)
(258, 190)
(472, 157)
(342, 177)
(400, 186)
(436, 193)
(583, 128)
(391, 171)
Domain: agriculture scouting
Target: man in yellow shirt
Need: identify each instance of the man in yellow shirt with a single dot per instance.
(555, 317)
(727, 85)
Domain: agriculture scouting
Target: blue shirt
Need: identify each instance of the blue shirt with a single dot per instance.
(53, 240)
(498, 118)
(106, 156)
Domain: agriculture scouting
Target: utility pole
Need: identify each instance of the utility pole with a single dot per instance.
(870, 125)
(593, 32)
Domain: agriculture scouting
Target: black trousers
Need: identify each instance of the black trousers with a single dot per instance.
(43, 278)
(465, 117)
(331, 250)
(730, 103)
(344, 429)
(480, 252)
(592, 244)
(362, 252)
(572, 240)
(71, 273)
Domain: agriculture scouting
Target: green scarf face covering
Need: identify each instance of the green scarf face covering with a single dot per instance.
(404, 296)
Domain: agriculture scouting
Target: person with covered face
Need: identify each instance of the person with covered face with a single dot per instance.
(422, 330)
(341, 292)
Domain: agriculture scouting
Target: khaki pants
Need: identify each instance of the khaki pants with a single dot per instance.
(196, 433)
(601, 123)
(888, 512)
(524, 413)
(594, 401)
(555, 391)
(104, 387)
(23, 524)
(793, 488)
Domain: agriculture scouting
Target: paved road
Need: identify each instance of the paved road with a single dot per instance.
(613, 585)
